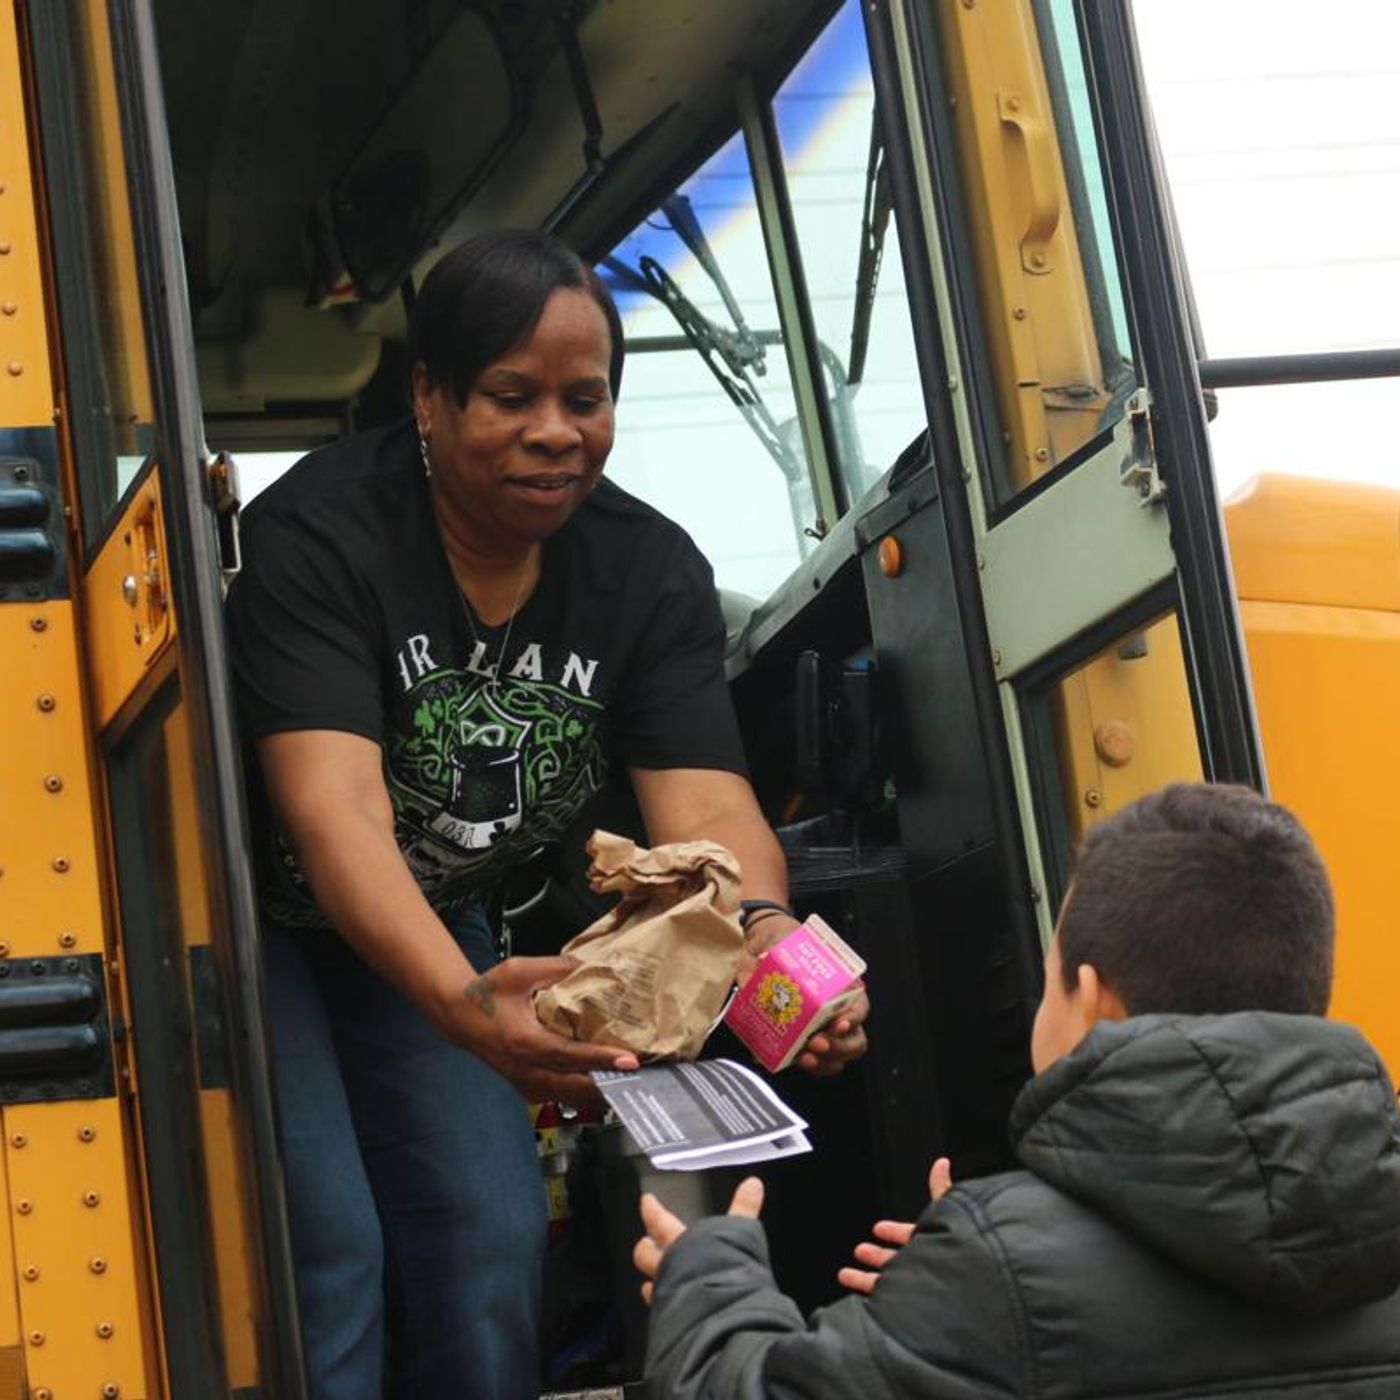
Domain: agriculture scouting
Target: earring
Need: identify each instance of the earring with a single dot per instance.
(423, 453)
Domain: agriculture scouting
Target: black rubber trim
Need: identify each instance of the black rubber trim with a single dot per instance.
(55, 1038)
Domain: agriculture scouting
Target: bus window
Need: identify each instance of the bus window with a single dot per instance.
(1045, 265)
(98, 294)
(1107, 732)
(1074, 120)
(707, 426)
(838, 184)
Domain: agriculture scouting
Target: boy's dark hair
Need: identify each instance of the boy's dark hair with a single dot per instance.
(1202, 899)
(486, 296)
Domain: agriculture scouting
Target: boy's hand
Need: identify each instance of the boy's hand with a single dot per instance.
(892, 1232)
(663, 1229)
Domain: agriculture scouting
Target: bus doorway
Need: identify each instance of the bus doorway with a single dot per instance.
(909, 359)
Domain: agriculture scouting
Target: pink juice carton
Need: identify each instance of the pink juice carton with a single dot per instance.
(799, 985)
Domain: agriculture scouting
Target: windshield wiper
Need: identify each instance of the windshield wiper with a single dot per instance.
(746, 348)
(874, 223)
(728, 355)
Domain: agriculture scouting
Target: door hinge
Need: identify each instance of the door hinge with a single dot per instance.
(1138, 469)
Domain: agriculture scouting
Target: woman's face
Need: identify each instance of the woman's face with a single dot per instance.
(518, 458)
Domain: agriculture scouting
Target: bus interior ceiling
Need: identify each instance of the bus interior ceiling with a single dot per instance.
(325, 151)
(288, 123)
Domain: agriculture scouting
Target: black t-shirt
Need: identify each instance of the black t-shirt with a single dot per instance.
(346, 616)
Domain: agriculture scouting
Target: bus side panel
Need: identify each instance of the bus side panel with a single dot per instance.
(1325, 682)
(26, 390)
(68, 1167)
(1317, 568)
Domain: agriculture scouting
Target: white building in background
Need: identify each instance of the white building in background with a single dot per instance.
(1281, 135)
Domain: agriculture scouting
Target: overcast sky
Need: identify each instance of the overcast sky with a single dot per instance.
(1281, 132)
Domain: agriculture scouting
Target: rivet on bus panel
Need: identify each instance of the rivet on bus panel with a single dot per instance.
(98, 1266)
(68, 939)
(91, 1199)
(19, 1140)
(891, 557)
(15, 369)
(61, 864)
(105, 1330)
(46, 703)
(1020, 313)
(1042, 454)
(86, 1133)
(43, 1393)
(4, 947)
(111, 1391)
(36, 1339)
(5, 249)
(39, 624)
(53, 783)
(31, 1273)
(8, 308)
(1093, 798)
(25, 1207)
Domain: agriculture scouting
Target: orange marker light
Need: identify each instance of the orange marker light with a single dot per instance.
(891, 557)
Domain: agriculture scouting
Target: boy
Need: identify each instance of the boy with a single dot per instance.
(1211, 1200)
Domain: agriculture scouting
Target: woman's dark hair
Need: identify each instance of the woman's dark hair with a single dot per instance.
(1202, 899)
(486, 296)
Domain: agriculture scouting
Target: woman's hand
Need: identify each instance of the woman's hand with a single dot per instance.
(838, 1042)
(892, 1233)
(832, 1046)
(495, 1019)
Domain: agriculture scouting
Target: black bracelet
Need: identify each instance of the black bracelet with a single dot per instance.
(750, 909)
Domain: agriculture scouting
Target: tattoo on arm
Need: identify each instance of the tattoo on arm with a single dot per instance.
(483, 994)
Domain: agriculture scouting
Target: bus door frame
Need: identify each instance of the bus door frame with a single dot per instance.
(187, 500)
(1169, 544)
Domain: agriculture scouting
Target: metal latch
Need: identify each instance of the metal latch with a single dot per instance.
(1138, 469)
(224, 497)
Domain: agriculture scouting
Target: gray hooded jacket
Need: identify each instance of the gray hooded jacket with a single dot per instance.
(1212, 1208)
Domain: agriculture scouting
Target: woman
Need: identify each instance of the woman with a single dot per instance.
(443, 634)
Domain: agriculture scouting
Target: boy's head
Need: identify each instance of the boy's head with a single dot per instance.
(1199, 899)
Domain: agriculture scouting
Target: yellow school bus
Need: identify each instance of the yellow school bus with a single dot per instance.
(910, 355)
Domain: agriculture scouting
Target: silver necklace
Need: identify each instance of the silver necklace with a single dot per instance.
(493, 676)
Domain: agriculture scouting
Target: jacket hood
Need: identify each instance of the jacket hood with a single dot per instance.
(1258, 1150)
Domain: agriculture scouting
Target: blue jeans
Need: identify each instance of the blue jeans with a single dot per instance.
(414, 1195)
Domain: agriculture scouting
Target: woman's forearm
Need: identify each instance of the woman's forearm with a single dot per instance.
(327, 791)
(363, 885)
